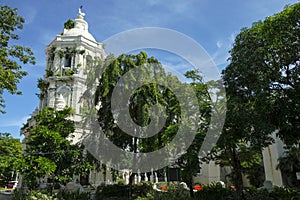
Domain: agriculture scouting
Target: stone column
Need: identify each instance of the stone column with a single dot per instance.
(270, 158)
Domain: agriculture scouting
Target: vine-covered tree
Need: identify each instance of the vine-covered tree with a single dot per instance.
(11, 55)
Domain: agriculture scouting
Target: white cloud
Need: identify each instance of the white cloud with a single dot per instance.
(221, 55)
(219, 44)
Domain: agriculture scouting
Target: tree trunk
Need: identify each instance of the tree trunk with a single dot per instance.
(237, 175)
(131, 177)
(130, 186)
(191, 186)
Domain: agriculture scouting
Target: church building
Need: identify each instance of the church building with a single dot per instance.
(69, 56)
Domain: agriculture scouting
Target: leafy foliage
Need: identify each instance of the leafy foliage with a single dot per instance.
(10, 155)
(262, 88)
(290, 164)
(190, 162)
(11, 54)
(119, 190)
(69, 24)
(141, 101)
(61, 195)
(263, 76)
(50, 151)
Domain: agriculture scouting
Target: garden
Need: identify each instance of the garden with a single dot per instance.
(166, 191)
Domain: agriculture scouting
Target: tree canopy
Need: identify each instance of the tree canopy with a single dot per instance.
(264, 74)
(262, 87)
(11, 54)
(143, 99)
(50, 151)
(10, 155)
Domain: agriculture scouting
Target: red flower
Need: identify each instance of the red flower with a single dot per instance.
(164, 188)
(198, 187)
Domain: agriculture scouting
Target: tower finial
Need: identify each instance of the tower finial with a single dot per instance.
(80, 13)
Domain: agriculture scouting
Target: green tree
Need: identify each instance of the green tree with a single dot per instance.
(69, 24)
(143, 98)
(290, 164)
(10, 155)
(262, 88)
(264, 69)
(140, 103)
(11, 55)
(189, 163)
(50, 151)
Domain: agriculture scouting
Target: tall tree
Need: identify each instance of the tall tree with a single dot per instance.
(290, 164)
(264, 71)
(11, 55)
(189, 162)
(143, 98)
(50, 151)
(10, 155)
(262, 88)
(139, 103)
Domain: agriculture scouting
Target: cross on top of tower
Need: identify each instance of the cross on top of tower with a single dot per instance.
(80, 13)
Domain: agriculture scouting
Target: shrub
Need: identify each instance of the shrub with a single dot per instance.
(119, 191)
(285, 194)
(111, 191)
(215, 191)
(42, 195)
(254, 194)
(32, 195)
(144, 191)
(178, 194)
(65, 195)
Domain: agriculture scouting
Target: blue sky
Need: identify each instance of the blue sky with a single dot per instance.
(213, 24)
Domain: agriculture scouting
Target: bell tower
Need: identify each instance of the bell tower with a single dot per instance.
(69, 56)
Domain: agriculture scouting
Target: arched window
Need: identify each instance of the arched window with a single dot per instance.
(68, 60)
(89, 61)
(66, 93)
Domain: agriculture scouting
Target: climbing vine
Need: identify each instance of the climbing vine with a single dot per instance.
(43, 86)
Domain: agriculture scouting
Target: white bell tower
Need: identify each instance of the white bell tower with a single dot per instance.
(69, 56)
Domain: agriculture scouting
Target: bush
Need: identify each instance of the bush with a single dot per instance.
(215, 191)
(278, 193)
(254, 194)
(284, 194)
(119, 191)
(41, 195)
(179, 194)
(65, 195)
(111, 191)
(32, 195)
(176, 192)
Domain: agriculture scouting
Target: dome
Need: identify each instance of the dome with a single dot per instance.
(80, 28)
